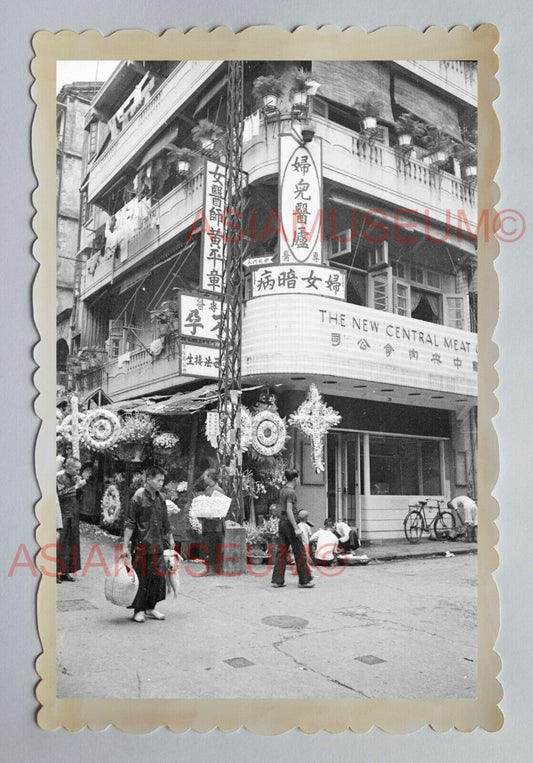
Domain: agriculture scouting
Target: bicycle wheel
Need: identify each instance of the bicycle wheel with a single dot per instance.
(413, 525)
(444, 524)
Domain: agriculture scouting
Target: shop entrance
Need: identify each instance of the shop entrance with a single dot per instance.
(343, 470)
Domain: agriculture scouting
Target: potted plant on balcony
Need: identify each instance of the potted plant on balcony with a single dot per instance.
(466, 153)
(369, 110)
(166, 316)
(267, 91)
(182, 157)
(300, 89)
(438, 145)
(205, 134)
(409, 128)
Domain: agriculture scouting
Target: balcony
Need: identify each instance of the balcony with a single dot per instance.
(456, 77)
(401, 359)
(162, 107)
(374, 170)
(167, 219)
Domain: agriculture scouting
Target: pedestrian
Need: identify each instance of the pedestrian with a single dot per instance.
(290, 536)
(327, 544)
(348, 537)
(464, 507)
(148, 528)
(69, 485)
(212, 529)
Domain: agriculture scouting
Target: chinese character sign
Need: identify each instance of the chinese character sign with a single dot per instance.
(300, 201)
(213, 235)
(198, 360)
(200, 317)
(299, 279)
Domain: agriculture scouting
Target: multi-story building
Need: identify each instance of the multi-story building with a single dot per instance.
(361, 261)
(72, 103)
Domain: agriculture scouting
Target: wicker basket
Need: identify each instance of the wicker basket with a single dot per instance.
(121, 589)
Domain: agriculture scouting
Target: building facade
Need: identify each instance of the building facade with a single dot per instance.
(72, 104)
(360, 252)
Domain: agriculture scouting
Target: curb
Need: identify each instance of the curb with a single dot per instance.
(422, 555)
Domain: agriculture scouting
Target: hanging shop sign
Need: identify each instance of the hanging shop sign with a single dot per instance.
(306, 335)
(299, 279)
(213, 233)
(300, 200)
(199, 360)
(200, 317)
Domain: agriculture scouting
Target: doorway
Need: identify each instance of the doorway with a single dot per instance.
(343, 471)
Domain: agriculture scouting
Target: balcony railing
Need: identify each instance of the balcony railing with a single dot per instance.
(373, 169)
(161, 108)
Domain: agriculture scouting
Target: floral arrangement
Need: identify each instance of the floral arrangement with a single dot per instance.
(101, 429)
(246, 428)
(275, 475)
(174, 490)
(313, 418)
(250, 486)
(138, 480)
(111, 507)
(194, 524)
(268, 433)
(65, 429)
(165, 440)
(136, 427)
(270, 526)
(254, 534)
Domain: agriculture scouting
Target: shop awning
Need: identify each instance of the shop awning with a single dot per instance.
(352, 82)
(179, 404)
(426, 106)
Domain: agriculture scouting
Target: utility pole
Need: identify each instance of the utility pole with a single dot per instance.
(229, 381)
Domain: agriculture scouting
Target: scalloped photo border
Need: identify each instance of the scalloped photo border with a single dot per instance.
(271, 715)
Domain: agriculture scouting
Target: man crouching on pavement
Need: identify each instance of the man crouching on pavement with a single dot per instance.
(147, 522)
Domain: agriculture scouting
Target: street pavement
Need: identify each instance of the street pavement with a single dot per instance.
(387, 629)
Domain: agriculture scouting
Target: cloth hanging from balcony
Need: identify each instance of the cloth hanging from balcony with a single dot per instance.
(430, 108)
(351, 82)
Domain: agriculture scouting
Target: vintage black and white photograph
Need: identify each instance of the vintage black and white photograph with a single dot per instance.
(265, 483)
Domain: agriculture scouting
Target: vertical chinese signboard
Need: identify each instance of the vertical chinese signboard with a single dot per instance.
(300, 201)
(213, 235)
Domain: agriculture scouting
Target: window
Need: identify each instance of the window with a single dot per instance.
(417, 275)
(455, 311)
(402, 299)
(379, 288)
(93, 138)
(405, 466)
(433, 279)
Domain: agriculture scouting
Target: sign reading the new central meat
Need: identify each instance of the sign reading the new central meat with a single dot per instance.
(300, 201)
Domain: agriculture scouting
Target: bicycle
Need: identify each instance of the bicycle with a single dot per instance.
(415, 522)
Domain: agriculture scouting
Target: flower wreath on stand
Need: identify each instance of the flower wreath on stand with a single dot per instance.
(165, 441)
(268, 433)
(111, 508)
(313, 418)
(101, 429)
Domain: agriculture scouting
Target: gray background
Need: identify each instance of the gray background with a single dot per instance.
(22, 739)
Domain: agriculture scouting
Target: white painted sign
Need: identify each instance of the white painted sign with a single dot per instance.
(213, 235)
(198, 360)
(300, 200)
(255, 262)
(200, 317)
(299, 279)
